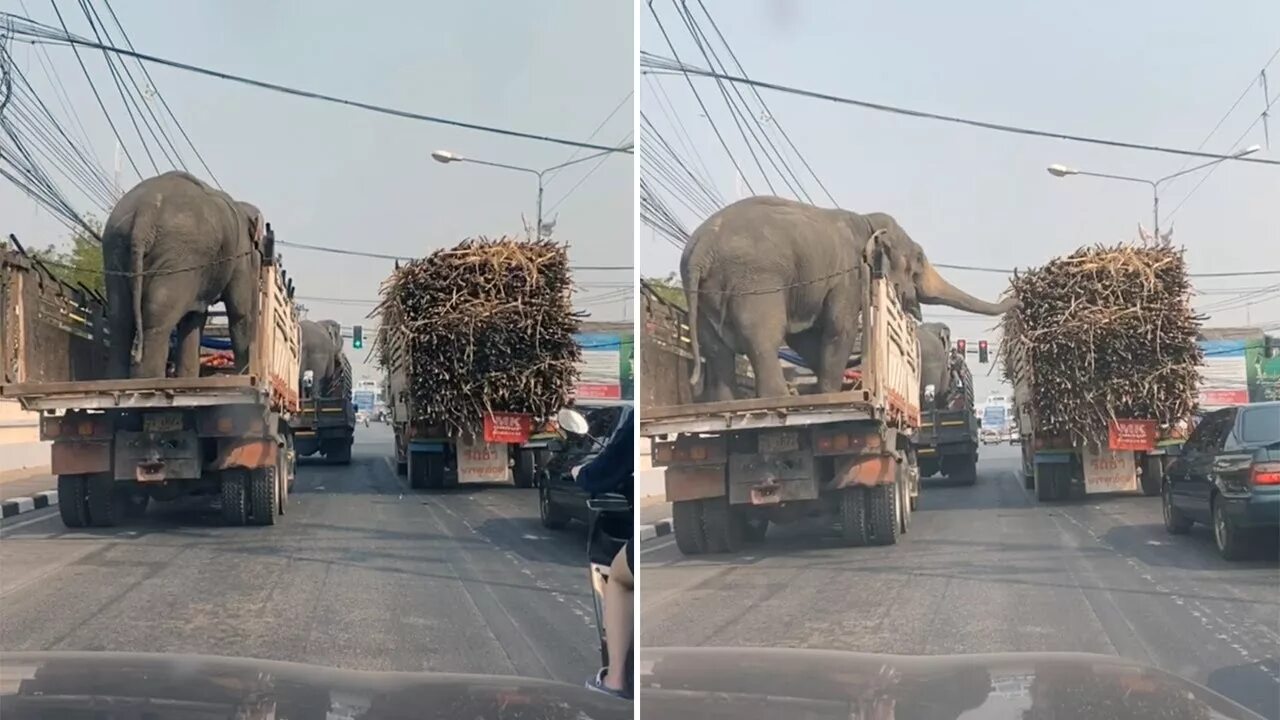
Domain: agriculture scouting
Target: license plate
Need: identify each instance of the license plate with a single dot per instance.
(162, 422)
(772, 443)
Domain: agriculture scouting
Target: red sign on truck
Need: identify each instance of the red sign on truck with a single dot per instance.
(1132, 435)
(507, 428)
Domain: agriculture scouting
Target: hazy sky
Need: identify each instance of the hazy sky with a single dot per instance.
(331, 175)
(1154, 72)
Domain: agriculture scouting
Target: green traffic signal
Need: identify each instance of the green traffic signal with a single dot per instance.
(357, 337)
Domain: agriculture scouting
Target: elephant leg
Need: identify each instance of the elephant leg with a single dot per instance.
(719, 379)
(120, 325)
(837, 340)
(808, 345)
(162, 310)
(760, 321)
(189, 328)
(238, 299)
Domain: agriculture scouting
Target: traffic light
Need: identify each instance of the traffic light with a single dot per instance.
(982, 351)
(960, 346)
(357, 337)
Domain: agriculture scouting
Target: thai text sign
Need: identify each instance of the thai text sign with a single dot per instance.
(503, 427)
(1132, 435)
(482, 461)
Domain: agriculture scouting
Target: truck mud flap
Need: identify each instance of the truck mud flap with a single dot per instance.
(864, 470)
(80, 458)
(694, 482)
(247, 453)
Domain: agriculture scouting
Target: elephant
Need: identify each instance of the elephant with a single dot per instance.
(935, 362)
(321, 346)
(765, 271)
(172, 247)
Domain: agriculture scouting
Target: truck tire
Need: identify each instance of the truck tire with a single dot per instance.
(291, 452)
(1152, 475)
(754, 529)
(904, 507)
(402, 467)
(416, 468)
(136, 505)
(282, 483)
(234, 502)
(339, 453)
(1053, 482)
(106, 504)
(686, 521)
(1029, 479)
(882, 514)
(73, 501)
(525, 470)
(853, 516)
(263, 501)
(724, 526)
(966, 471)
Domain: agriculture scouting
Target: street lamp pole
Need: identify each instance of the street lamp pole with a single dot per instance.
(1063, 171)
(446, 157)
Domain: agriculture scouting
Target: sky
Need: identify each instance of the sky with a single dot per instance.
(331, 175)
(1160, 73)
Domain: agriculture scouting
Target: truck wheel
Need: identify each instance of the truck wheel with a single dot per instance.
(282, 483)
(552, 517)
(402, 467)
(723, 525)
(754, 529)
(966, 471)
(136, 505)
(263, 503)
(1028, 479)
(686, 521)
(904, 508)
(1152, 475)
(73, 501)
(525, 470)
(233, 498)
(291, 451)
(882, 514)
(106, 504)
(1046, 480)
(853, 516)
(339, 453)
(436, 471)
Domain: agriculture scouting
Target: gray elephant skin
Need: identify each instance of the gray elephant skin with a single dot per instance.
(935, 362)
(321, 347)
(765, 271)
(172, 247)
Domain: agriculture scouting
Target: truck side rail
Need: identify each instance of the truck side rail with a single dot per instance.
(136, 393)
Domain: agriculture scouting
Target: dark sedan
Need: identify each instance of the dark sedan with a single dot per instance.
(560, 500)
(1228, 477)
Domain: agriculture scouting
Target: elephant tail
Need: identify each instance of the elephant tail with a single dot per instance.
(692, 278)
(135, 286)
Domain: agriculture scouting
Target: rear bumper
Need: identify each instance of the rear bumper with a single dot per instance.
(1261, 509)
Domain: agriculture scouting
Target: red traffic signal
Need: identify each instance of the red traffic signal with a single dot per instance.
(982, 351)
(960, 346)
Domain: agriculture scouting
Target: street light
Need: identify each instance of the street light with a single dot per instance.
(1057, 170)
(445, 157)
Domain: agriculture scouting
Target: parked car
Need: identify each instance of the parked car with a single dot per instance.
(560, 500)
(1228, 477)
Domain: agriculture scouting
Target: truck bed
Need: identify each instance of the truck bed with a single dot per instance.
(138, 393)
(758, 413)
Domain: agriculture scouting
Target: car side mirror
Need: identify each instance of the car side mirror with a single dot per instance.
(573, 422)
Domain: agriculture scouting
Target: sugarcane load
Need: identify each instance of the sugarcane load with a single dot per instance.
(478, 342)
(1102, 352)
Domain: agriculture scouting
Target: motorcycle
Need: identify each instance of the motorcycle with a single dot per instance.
(609, 528)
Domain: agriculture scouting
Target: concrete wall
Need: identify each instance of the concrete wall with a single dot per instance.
(20, 445)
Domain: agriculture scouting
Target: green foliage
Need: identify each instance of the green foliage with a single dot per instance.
(81, 262)
(668, 289)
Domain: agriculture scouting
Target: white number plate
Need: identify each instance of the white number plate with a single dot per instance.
(162, 422)
(779, 442)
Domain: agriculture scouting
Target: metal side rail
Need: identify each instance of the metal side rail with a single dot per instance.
(137, 393)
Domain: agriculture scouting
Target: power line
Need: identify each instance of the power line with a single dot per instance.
(661, 66)
(1234, 147)
(583, 179)
(1009, 271)
(606, 119)
(383, 256)
(38, 36)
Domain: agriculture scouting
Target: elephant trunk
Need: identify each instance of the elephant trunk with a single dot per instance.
(936, 290)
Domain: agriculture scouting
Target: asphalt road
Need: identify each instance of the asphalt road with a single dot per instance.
(361, 574)
(987, 569)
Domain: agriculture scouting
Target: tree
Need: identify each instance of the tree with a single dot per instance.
(81, 263)
(668, 289)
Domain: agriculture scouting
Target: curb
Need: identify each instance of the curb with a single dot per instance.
(656, 530)
(18, 505)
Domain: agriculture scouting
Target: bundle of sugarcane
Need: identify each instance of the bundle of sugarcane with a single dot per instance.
(484, 327)
(1105, 333)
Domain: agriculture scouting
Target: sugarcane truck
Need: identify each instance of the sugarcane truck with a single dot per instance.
(1058, 466)
(947, 441)
(116, 444)
(733, 467)
(435, 458)
(326, 419)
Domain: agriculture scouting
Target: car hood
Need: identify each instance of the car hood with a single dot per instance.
(135, 685)
(749, 683)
